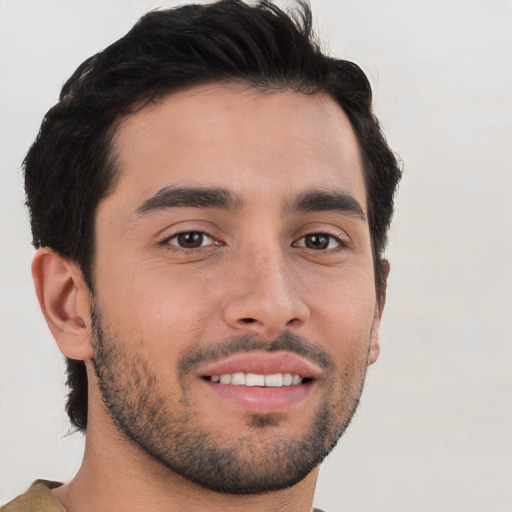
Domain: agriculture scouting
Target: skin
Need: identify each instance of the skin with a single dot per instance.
(255, 274)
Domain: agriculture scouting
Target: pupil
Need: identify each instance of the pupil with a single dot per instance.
(190, 240)
(317, 242)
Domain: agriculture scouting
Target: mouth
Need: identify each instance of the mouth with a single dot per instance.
(260, 382)
(274, 380)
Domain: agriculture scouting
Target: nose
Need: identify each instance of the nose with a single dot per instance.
(263, 298)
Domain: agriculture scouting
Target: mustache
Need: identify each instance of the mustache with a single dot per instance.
(285, 341)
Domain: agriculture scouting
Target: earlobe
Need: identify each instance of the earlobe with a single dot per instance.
(374, 351)
(64, 301)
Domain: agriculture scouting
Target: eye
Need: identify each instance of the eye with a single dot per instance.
(319, 242)
(190, 240)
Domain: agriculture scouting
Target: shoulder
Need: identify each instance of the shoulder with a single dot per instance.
(38, 498)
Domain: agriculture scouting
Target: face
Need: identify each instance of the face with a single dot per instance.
(235, 311)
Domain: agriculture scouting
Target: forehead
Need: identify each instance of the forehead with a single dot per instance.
(239, 138)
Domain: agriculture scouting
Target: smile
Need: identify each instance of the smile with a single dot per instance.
(260, 382)
(275, 380)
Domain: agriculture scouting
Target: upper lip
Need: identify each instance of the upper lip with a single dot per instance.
(266, 363)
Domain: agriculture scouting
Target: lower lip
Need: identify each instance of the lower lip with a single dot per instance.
(261, 400)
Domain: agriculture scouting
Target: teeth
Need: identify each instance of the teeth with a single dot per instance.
(287, 379)
(276, 380)
(296, 380)
(252, 379)
(225, 379)
(238, 379)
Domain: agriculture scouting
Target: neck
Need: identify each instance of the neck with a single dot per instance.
(117, 476)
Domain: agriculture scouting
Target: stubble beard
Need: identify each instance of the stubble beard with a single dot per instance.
(266, 458)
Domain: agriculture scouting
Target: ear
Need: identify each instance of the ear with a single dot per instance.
(64, 299)
(379, 308)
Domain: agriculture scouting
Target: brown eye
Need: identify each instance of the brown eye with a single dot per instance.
(318, 242)
(190, 240)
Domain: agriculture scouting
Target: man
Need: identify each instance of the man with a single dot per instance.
(210, 200)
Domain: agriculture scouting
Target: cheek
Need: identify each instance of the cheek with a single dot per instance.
(161, 308)
(342, 310)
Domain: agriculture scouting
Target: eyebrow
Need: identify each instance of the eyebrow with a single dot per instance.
(325, 201)
(190, 197)
(217, 197)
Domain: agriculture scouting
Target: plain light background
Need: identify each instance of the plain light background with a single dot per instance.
(434, 429)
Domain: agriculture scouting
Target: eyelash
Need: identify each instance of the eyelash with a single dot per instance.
(339, 243)
(177, 248)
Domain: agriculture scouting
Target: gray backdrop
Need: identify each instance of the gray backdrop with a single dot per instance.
(434, 430)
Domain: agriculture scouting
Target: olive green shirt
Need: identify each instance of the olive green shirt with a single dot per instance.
(39, 498)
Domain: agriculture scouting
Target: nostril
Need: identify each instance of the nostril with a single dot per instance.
(248, 320)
